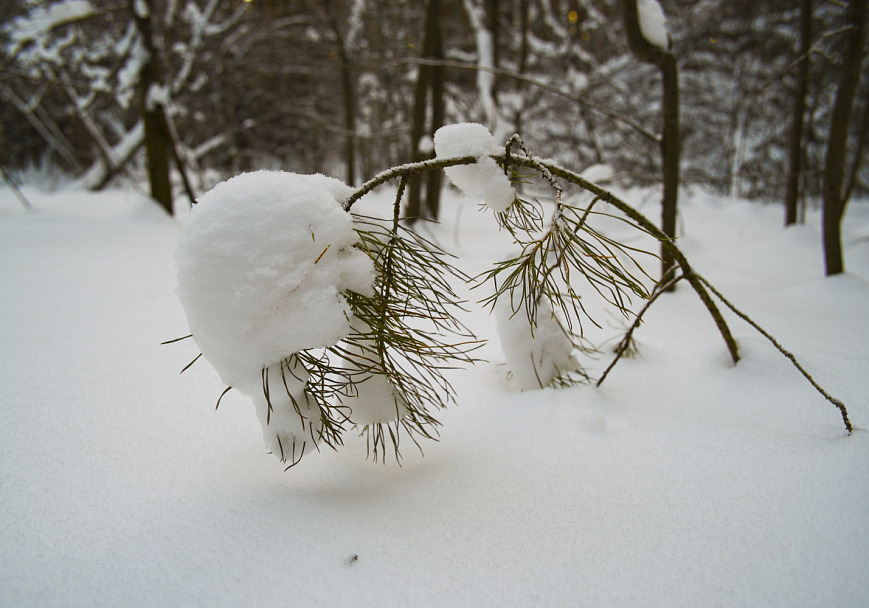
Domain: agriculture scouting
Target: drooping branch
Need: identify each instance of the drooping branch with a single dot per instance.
(641, 220)
(700, 285)
(409, 170)
(839, 405)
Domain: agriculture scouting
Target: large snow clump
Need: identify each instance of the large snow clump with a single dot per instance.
(484, 178)
(263, 261)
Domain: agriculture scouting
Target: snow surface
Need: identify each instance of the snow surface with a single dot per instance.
(653, 23)
(682, 481)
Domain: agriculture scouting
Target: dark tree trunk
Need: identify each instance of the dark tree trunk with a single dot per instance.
(670, 137)
(523, 59)
(491, 7)
(429, 78)
(834, 163)
(434, 178)
(156, 138)
(348, 97)
(795, 145)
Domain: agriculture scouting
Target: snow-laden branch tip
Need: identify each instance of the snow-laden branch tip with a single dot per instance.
(484, 178)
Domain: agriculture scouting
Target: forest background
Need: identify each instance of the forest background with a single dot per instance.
(351, 87)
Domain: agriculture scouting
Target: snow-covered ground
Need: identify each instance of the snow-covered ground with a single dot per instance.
(682, 481)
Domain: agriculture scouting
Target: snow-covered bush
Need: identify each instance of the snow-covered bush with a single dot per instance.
(331, 320)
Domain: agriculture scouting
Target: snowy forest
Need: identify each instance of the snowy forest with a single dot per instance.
(536, 302)
(349, 88)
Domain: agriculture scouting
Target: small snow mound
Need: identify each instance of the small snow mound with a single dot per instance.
(287, 432)
(262, 262)
(463, 139)
(534, 360)
(483, 179)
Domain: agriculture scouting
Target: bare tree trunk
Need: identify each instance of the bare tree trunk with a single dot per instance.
(670, 138)
(834, 163)
(795, 146)
(156, 141)
(523, 59)
(434, 179)
(348, 97)
(429, 77)
(863, 135)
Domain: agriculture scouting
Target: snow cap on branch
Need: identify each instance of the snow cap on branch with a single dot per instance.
(263, 261)
(653, 23)
(484, 179)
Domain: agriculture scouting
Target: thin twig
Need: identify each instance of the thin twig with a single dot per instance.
(623, 345)
(8, 179)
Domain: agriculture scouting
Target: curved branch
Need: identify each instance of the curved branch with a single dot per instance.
(409, 170)
(641, 220)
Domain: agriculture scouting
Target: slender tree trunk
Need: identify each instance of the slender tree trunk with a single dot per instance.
(348, 98)
(834, 163)
(434, 178)
(523, 59)
(858, 152)
(795, 146)
(670, 138)
(156, 142)
(426, 76)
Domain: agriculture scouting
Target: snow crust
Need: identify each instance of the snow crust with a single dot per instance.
(653, 23)
(262, 263)
(483, 179)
